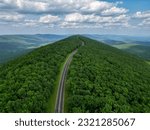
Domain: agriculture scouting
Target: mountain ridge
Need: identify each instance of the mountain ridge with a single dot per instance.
(100, 79)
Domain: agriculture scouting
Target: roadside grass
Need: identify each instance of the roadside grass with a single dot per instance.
(53, 97)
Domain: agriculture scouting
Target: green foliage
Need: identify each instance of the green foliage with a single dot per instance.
(100, 79)
(104, 79)
(27, 83)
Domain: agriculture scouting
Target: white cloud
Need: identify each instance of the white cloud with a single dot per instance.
(62, 6)
(49, 19)
(69, 25)
(96, 6)
(121, 18)
(77, 17)
(145, 22)
(142, 15)
(114, 11)
(31, 23)
(24, 6)
(144, 18)
(92, 20)
(65, 13)
(13, 17)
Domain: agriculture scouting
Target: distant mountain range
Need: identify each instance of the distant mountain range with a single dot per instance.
(26, 41)
(117, 39)
(137, 45)
(14, 45)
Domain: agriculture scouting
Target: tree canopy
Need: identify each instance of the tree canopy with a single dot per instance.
(104, 79)
(27, 83)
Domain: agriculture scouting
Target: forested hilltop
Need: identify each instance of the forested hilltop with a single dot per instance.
(26, 84)
(104, 79)
(100, 79)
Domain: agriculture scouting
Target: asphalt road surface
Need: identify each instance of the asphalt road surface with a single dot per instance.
(60, 95)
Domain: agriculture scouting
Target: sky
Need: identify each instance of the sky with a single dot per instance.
(119, 17)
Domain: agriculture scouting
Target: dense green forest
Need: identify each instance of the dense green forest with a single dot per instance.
(100, 79)
(27, 83)
(104, 79)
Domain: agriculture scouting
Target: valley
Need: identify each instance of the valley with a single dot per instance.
(136, 45)
(13, 46)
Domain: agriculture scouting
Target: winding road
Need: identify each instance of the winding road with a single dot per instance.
(60, 94)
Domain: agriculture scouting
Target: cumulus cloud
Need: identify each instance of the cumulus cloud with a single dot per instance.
(114, 11)
(95, 6)
(65, 13)
(49, 19)
(144, 18)
(146, 22)
(13, 17)
(76, 19)
(24, 6)
(61, 6)
(142, 15)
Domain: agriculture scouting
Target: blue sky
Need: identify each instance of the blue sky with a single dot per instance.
(125, 17)
(135, 5)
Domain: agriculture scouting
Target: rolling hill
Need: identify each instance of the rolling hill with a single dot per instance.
(12, 46)
(137, 45)
(114, 39)
(141, 51)
(101, 78)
